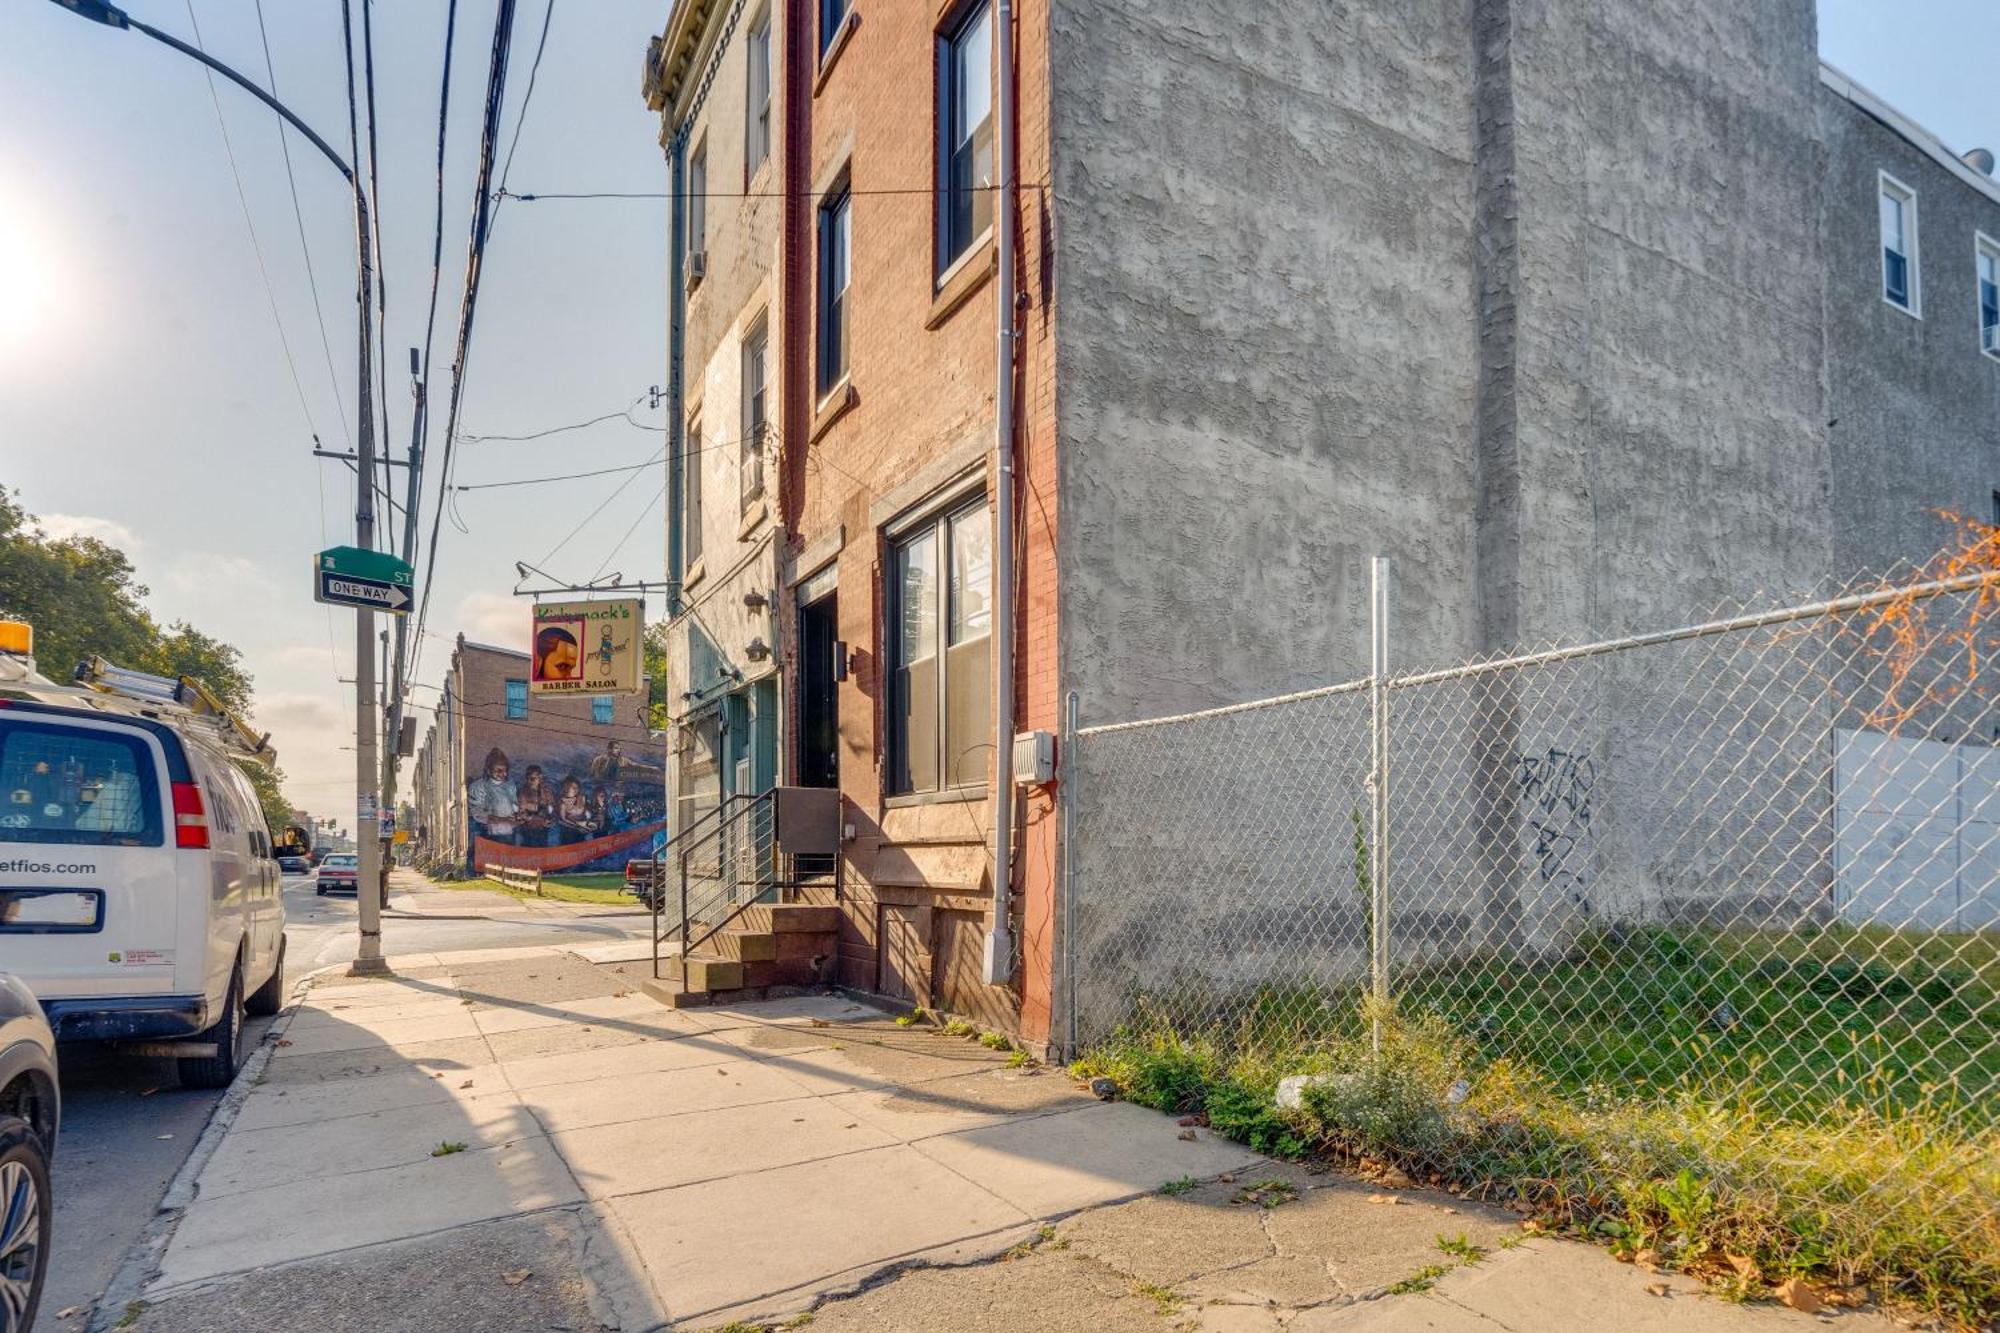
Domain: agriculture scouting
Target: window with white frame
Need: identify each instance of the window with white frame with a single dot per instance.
(756, 368)
(757, 135)
(697, 210)
(965, 132)
(691, 499)
(1900, 275)
(940, 622)
(1986, 264)
(832, 18)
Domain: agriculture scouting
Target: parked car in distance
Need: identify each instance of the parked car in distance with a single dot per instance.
(639, 878)
(340, 871)
(30, 1111)
(142, 903)
(295, 865)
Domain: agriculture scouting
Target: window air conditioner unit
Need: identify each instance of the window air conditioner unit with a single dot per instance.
(697, 266)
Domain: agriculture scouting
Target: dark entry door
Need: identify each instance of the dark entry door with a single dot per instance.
(819, 695)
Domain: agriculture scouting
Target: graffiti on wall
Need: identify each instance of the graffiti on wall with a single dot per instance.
(1557, 784)
(552, 805)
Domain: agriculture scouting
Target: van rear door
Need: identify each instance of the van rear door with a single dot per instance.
(89, 893)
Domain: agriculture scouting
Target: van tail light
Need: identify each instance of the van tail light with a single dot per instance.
(190, 818)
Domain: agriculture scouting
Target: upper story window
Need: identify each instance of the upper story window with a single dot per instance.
(601, 710)
(965, 132)
(757, 131)
(1900, 277)
(691, 498)
(756, 368)
(835, 268)
(1986, 264)
(517, 699)
(940, 620)
(697, 211)
(832, 17)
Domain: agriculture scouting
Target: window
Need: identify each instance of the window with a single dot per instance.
(517, 698)
(62, 784)
(601, 711)
(691, 499)
(757, 133)
(940, 620)
(1986, 262)
(756, 366)
(1900, 278)
(697, 213)
(835, 267)
(965, 131)
(832, 17)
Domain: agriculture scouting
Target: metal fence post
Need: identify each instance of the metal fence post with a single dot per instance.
(1066, 791)
(1378, 788)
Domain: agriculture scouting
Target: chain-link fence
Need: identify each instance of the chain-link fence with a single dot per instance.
(1745, 873)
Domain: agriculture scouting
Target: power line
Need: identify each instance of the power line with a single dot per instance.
(567, 476)
(299, 217)
(534, 68)
(615, 493)
(613, 553)
(496, 85)
(256, 246)
(381, 259)
(558, 430)
(852, 191)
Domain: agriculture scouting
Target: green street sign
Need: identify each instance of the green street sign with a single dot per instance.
(374, 580)
(353, 562)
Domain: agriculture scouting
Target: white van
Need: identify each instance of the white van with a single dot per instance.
(139, 887)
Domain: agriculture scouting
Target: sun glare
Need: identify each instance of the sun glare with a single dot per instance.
(27, 288)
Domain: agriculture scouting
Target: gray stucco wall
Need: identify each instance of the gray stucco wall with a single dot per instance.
(1266, 345)
(1915, 404)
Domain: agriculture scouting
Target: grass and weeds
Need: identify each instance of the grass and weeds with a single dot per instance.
(1183, 1185)
(1819, 1105)
(911, 1019)
(1020, 1060)
(599, 890)
(1422, 1280)
(958, 1027)
(1461, 1249)
(995, 1041)
(1270, 1193)
(447, 1148)
(1166, 1301)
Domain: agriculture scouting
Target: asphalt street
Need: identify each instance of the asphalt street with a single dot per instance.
(128, 1124)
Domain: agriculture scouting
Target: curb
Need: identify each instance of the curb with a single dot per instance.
(142, 1260)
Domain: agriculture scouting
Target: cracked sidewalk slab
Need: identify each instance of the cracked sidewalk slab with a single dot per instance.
(1209, 1259)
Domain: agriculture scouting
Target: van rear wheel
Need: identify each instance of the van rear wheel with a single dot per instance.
(219, 1070)
(269, 998)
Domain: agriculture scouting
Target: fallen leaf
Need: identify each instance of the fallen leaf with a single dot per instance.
(515, 1277)
(1187, 1120)
(1798, 1295)
(1227, 1177)
(1383, 1198)
(1657, 1289)
(466, 1084)
(1745, 1266)
(1187, 1135)
(284, 1041)
(821, 1023)
(1647, 1258)
(72, 1310)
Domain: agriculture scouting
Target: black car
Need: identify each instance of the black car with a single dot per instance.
(295, 865)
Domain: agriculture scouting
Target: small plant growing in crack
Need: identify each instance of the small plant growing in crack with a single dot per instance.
(995, 1041)
(1422, 1280)
(1166, 1301)
(1175, 1188)
(798, 1320)
(1268, 1193)
(447, 1148)
(911, 1019)
(1020, 1060)
(131, 1316)
(958, 1027)
(1461, 1249)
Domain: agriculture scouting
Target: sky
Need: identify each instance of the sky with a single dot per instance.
(156, 391)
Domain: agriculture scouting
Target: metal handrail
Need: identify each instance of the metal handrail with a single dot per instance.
(658, 875)
(768, 799)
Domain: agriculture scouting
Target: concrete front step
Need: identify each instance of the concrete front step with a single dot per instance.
(789, 918)
(746, 946)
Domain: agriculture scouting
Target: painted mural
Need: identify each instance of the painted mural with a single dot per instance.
(566, 807)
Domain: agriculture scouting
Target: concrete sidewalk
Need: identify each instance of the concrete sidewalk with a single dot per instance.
(520, 1139)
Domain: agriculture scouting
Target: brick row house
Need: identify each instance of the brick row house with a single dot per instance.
(1534, 300)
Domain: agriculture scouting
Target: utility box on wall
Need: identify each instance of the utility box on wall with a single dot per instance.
(1034, 758)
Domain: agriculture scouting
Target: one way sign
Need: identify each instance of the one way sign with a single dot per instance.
(373, 580)
(347, 590)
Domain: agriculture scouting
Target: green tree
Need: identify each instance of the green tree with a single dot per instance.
(185, 651)
(78, 592)
(269, 785)
(653, 650)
